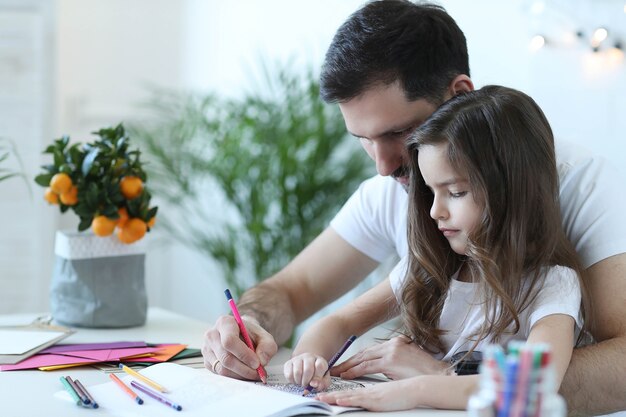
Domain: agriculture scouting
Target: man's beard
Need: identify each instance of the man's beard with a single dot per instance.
(402, 171)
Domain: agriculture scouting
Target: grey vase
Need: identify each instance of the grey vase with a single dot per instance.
(98, 282)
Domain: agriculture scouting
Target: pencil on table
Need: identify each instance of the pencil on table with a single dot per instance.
(91, 402)
(70, 391)
(125, 388)
(145, 379)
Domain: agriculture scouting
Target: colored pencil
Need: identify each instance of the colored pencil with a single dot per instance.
(246, 337)
(125, 388)
(332, 361)
(155, 395)
(70, 391)
(147, 380)
(92, 403)
(83, 397)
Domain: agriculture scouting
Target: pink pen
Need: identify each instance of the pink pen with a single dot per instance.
(244, 332)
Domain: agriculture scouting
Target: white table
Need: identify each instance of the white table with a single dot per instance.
(30, 393)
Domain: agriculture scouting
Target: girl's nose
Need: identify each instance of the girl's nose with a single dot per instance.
(438, 210)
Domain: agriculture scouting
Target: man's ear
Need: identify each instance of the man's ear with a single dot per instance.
(460, 84)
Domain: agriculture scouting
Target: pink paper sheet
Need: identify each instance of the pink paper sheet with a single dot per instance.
(85, 356)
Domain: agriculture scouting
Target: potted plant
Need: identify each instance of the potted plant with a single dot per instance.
(98, 278)
(250, 181)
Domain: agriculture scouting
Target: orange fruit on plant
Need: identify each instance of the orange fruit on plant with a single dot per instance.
(102, 225)
(61, 183)
(123, 213)
(70, 197)
(133, 230)
(50, 196)
(131, 186)
(151, 222)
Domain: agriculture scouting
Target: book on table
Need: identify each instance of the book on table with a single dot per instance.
(202, 393)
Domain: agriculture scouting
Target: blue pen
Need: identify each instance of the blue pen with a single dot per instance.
(332, 361)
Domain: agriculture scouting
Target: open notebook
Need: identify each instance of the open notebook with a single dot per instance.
(201, 393)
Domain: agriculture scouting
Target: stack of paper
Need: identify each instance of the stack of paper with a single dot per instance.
(64, 356)
(20, 342)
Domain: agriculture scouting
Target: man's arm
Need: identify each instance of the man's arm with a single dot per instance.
(595, 381)
(322, 272)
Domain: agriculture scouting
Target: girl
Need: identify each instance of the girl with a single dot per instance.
(488, 261)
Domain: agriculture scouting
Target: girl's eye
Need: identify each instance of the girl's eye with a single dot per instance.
(458, 195)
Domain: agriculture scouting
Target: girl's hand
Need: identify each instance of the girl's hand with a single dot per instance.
(397, 358)
(307, 369)
(386, 396)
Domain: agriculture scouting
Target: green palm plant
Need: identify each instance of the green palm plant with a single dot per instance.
(8, 151)
(250, 181)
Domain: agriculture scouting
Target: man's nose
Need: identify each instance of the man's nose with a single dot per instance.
(388, 157)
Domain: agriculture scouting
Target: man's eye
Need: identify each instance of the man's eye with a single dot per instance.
(402, 132)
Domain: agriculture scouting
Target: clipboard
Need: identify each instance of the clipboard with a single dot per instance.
(21, 342)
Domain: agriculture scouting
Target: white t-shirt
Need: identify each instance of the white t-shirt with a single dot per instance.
(462, 314)
(592, 196)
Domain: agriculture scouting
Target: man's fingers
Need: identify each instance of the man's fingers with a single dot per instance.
(266, 346)
(232, 367)
(223, 343)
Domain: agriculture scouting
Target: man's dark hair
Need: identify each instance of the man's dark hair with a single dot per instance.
(385, 41)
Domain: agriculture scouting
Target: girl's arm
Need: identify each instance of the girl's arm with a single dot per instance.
(322, 340)
(453, 392)
(434, 391)
(556, 330)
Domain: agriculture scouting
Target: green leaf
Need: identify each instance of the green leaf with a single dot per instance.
(43, 179)
(89, 160)
(85, 223)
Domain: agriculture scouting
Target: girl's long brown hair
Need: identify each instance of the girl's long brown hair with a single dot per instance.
(500, 139)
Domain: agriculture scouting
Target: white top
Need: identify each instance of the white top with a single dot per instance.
(463, 314)
(592, 196)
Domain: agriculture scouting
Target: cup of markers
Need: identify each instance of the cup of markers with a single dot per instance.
(517, 383)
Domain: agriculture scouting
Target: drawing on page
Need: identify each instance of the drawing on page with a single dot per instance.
(278, 382)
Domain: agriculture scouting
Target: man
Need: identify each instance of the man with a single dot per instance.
(390, 65)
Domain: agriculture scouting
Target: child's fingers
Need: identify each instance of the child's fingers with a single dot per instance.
(288, 371)
(320, 381)
(313, 367)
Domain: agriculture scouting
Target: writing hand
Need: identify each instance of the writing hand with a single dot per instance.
(308, 369)
(226, 354)
(397, 358)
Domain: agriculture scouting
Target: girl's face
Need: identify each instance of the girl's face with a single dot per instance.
(454, 209)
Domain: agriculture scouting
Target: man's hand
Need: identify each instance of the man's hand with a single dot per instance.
(226, 354)
(397, 358)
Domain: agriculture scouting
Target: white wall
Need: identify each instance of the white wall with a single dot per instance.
(107, 51)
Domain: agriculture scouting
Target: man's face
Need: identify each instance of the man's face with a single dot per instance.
(382, 119)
